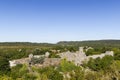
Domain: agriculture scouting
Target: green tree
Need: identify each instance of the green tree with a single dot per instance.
(39, 60)
(89, 52)
(5, 77)
(55, 75)
(4, 65)
(117, 56)
(77, 74)
(66, 66)
(100, 64)
(53, 55)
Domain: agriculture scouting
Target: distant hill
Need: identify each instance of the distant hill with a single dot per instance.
(24, 44)
(93, 43)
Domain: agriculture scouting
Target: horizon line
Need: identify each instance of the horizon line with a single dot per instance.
(55, 42)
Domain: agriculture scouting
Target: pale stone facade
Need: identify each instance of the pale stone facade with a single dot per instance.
(19, 61)
(80, 56)
(51, 62)
(27, 60)
(76, 57)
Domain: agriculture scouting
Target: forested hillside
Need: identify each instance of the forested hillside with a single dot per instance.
(92, 43)
(25, 44)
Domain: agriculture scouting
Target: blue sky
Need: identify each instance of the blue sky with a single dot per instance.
(59, 20)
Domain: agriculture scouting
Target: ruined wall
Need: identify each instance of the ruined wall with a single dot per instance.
(80, 56)
(19, 61)
(77, 57)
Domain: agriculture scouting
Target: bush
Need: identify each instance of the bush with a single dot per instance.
(55, 75)
(50, 73)
(66, 66)
(4, 77)
(117, 56)
(92, 52)
(19, 71)
(4, 65)
(93, 76)
(100, 64)
(77, 74)
(37, 60)
(29, 77)
(53, 55)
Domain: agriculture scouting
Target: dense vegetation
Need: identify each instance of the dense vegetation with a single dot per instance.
(103, 69)
(107, 68)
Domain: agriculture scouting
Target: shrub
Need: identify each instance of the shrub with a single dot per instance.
(66, 66)
(55, 75)
(53, 55)
(117, 56)
(100, 64)
(77, 74)
(37, 60)
(4, 65)
(4, 77)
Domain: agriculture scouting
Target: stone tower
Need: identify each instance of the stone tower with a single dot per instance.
(47, 54)
(30, 57)
(81, 50)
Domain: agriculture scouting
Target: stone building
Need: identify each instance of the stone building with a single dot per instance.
(27, 60)
(80, 56)
(76, 57)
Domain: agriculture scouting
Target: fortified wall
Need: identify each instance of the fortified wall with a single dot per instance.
(77, 57)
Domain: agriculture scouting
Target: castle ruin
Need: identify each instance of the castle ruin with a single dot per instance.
(77, 57)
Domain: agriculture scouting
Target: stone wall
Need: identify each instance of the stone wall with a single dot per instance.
(51, 62)
(19, 61)
(111, 53)
(77, 57)
(80, 56)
